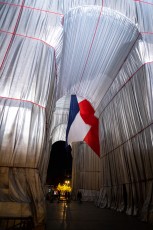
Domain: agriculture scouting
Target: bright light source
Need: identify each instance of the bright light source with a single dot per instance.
(65, 187)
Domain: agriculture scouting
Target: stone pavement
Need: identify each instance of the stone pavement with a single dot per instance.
(86, 216)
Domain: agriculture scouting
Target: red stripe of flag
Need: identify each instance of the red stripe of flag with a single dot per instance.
(92, 138)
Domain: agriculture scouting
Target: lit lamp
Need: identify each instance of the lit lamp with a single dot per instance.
(67, 182)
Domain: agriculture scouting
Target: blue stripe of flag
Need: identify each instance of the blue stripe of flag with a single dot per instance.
(74, 109)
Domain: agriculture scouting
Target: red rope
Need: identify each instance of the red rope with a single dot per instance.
(128, 140)
(14, 31)
(32, 8)
(25, 36)
(149, 3)
(91, 45)
(120, 67)
(22, 100)
(113, 98)
(37, 39)
(150, 33)
(125, 84)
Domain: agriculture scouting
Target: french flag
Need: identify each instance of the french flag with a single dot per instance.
(83, 125)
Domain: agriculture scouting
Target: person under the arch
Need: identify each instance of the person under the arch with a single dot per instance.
(83, 125)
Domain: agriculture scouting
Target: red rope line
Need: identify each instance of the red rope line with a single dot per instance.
(113, 98)
(22, 35)
(149, 3)
(128, 139)
(53, 12)
(120, 68)
(22, 6)
(94, 38)
(22, 100)
(125, 84)
(37, 39)
(150, 33)
(91, 44)
(32, 8)
(14, 31)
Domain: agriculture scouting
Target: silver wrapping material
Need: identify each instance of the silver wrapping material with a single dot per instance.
(126, 129)
(86, 171)
(27, 96)
(93, 65)
(102, 51)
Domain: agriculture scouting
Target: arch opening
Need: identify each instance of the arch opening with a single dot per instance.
(60, 164)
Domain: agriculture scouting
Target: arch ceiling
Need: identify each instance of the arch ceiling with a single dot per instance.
(96, 43)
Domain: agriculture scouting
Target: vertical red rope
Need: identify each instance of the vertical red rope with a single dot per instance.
(91, 44)
(13, 34)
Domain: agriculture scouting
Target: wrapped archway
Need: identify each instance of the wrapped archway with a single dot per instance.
(100, 50)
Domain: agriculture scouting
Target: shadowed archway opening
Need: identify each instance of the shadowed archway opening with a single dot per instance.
(60, 164)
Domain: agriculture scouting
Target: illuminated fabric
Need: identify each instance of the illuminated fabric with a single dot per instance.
(101, 50)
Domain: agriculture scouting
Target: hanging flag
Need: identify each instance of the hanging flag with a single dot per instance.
(83, 125)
